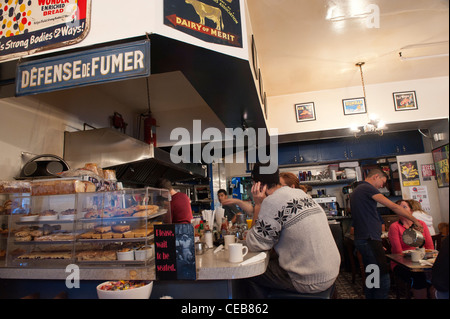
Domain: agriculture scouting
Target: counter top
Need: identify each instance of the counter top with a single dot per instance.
(212, 266)
(209, 266)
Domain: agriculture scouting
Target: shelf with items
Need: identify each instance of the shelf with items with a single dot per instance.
(328, 182)
(105, 228)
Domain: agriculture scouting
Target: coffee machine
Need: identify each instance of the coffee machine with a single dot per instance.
(328, 204)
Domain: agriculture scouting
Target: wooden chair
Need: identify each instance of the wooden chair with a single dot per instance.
(437, 241)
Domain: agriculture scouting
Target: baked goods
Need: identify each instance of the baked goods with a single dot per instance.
(49, 212)
(96, 255)
(120, 228)
(63, 186)
(102, 229)
(11, 187)
(47, 255)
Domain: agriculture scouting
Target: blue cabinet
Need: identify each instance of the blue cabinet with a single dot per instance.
(350, 148)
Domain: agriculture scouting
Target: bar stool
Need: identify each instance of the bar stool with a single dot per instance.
(330, 293)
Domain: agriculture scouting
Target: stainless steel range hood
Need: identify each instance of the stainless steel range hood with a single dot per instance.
(135, 162)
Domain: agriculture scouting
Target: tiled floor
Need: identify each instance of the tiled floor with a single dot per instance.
(347, 290)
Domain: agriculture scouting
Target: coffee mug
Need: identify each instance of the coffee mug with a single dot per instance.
(229, 239)
(417, 255)
(237, 252)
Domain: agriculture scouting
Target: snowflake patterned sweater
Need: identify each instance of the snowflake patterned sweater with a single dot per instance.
(297, 228)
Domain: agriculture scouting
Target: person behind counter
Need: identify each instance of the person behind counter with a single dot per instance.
(419, 280)
(367, 224)
(230, 210)
(180, 205)
(289, 221)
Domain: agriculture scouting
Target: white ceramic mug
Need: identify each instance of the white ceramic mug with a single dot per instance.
(417, 255)
(237, 252)
(229, 239)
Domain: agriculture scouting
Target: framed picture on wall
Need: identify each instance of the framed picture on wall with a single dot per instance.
(404, 101)
(354, 106)
(440, 159)
(255, 57)
(305, 112)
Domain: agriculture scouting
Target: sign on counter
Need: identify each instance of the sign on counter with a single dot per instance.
(123, 61)
(38, 25)
(174, 252)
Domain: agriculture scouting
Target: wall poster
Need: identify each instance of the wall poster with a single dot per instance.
(440, 158)
(29, 26)
(215, 21)
(410, 173)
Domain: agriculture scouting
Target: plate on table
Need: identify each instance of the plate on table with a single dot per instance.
(407, 252)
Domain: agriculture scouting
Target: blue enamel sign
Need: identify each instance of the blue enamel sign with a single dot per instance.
(113, 63)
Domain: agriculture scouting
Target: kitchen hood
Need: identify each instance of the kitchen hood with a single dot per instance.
(136, 163)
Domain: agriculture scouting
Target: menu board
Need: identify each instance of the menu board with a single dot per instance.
(175, 252)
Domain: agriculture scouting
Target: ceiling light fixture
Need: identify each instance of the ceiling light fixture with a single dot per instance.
(374, 125)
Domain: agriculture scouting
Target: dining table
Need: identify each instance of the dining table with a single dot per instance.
(405, 261)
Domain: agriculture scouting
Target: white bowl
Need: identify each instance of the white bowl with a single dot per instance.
(31, 218)
(125, 255)
(143, 254)
(67, 217)
(50, 217)
(143, 292)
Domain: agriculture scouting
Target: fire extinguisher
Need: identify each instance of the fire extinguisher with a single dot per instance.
(150, 130)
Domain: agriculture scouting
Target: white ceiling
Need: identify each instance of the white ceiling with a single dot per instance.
(300, 50)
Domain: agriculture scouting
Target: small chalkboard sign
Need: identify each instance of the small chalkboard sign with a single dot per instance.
(175, 252)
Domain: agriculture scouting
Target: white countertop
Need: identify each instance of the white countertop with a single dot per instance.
(209, 266)
(212, 266)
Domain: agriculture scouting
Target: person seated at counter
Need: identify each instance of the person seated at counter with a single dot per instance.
(180, 205)
(296, 227)
(418, 279)
(291, 180)
(230, 210)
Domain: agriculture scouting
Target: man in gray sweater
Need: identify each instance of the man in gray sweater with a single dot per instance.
(289, 221)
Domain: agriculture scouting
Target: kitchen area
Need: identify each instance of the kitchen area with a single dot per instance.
(143, 126)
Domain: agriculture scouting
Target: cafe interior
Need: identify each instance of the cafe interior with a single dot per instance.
(339, 87)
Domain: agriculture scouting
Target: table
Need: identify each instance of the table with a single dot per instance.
(406, 262)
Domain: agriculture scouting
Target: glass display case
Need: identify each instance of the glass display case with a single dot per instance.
(98, 229)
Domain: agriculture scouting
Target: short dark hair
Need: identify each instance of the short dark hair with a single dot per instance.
(163, 183)
(222, 191)
(270, 180)
(377, 171)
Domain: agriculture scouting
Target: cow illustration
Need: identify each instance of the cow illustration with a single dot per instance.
(206, 11)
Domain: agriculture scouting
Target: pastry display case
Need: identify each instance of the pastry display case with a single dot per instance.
(90, 229)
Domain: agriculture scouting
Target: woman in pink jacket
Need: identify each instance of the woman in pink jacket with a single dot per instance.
(419, 283)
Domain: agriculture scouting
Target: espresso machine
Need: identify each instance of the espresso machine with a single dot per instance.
(328, 204)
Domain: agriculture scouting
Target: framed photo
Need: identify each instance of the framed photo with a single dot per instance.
(440, 159)
(305, 112)
(255, 57)
(261, 86)
(265, 105)
(354, 106)
(404, 101)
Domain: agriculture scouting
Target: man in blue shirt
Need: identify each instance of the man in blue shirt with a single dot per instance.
(367, 224)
